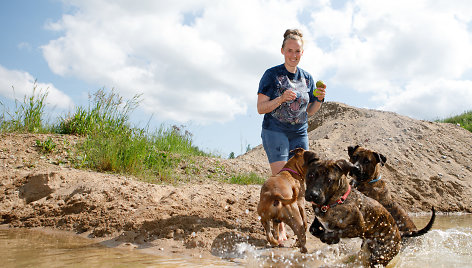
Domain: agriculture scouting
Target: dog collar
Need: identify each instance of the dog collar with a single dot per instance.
(376, 180)
(289, 169)
(339, 202)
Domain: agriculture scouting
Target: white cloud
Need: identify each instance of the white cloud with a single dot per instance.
(18, 84)
(25, 46)
(204, 68)
(438, 99)
(394, 48)
(202, 60)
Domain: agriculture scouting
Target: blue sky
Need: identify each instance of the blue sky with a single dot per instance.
(198, 63)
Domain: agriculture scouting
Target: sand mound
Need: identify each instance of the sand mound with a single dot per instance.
(427, 164)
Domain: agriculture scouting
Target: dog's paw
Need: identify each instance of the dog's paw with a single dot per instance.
(329, 238)
(316, 228)
(317, 231)
(331, 241)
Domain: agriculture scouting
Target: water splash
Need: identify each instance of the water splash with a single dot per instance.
(439, 248)
(340, 255)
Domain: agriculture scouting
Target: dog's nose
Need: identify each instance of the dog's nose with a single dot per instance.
(313, 196)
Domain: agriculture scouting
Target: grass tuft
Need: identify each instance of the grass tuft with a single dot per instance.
(245, 179)
(111, 143)
(464, 120)
(46, 146)
(27, 116)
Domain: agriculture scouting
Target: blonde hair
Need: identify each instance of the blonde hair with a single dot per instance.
(294, 34)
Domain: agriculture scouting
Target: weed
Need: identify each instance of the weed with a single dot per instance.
(46, 146)
(106, 112)
(27, 116)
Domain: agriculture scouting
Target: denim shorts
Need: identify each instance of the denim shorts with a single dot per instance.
(278, 144)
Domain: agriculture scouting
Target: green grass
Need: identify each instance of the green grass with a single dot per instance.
(245, 179)
(27, 116)
(464, 120)
(111, 143)
(46, 146)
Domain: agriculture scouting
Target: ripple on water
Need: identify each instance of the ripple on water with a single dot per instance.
(439, 248)
(449, 244)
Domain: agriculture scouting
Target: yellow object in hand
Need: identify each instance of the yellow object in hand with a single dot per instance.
(319, 84)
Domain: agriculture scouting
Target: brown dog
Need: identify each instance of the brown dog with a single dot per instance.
(368, 181)
(344, 212)
(283, 200)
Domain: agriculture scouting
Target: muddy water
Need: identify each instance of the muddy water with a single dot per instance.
(449, 244)
(32, 248)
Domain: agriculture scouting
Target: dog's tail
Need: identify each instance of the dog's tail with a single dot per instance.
(284, 200)
(424, 230)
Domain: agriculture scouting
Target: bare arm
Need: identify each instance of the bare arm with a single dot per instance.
(265, 105)
(315, 106)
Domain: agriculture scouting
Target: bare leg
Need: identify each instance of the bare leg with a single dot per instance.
(282, 232)
(275, 167)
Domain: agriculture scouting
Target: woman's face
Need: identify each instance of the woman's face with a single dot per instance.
(292, 52)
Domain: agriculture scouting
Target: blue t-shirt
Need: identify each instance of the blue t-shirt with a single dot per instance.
(290, 116)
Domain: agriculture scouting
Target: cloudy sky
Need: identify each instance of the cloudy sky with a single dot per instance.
(198, 63)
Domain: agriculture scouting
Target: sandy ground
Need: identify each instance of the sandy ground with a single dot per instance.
(427, 164)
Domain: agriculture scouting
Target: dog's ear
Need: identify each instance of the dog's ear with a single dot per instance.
(297, 151)
(351, 150)
(380, 158)
(310, 157)
(346, 166)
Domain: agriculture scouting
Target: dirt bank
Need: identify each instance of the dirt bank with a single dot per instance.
(427, 164)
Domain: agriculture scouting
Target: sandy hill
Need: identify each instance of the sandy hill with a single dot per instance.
(428, 163)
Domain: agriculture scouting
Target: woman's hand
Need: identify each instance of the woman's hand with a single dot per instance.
(288, 95)
(321, 92)
(266, 105)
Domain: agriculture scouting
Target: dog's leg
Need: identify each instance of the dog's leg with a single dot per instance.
(316, 228)
(266, 224)
(296, 223)
(330, 238)
(276, 227)
(381, 250)
(301, 208)
(284, 215)
(379, 255)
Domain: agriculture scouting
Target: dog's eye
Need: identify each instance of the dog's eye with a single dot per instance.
(366, 161)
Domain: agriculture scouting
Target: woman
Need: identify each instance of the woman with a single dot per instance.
(286, 98)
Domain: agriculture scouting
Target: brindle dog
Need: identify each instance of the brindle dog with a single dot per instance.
(368, 181)
(343, 212)
(282, 199)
